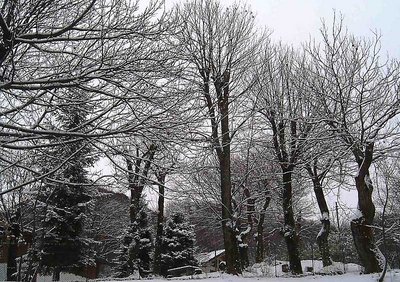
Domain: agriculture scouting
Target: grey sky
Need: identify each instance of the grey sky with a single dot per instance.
(293, 21)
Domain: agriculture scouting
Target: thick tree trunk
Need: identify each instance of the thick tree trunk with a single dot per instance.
(323, 244)
(244, 235)
(363, 234)
(224, 156)
(56, 273)
(322, 238)
(244, 255)
(15, 233)
(136, 194)
(229, 234)
(260, 250)
(290, 233)
(160, 224)
(11, 259)
(136, 179)
(260, 230)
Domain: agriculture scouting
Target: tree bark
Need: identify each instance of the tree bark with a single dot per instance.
(56, 273)
(322, 237)
(244, 235)
(160, 224)
(224, 155)
(136, 179)
(260, 229)
(11, 258)
(15, 233)
(290, 233)
(361, 227)
(230, 243)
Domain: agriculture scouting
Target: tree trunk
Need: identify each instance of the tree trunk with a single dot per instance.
(260, 242)
(229, 234)
(290, 233)
(137, 177)
(15, 233)
(56, 273)
(323, 244)
(136, 194)
(11, 259)
(260, 230)
(224, 156)
(322, 238)
(244, 235)
(363, 234)
(244, 255)
(160, 224)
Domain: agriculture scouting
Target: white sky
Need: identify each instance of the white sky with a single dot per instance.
(293, 21)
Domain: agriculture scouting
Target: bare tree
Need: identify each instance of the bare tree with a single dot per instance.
(110, 50)
(357, 96)
(317, 175)
(218, 43)
(282, 103)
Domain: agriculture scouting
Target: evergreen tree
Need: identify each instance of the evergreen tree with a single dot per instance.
(66, 193)
(135, 254)
(177, 244)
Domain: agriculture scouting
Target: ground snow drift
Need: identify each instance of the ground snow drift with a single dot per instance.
(264, 272)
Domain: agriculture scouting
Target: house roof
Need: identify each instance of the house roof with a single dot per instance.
(206, 257)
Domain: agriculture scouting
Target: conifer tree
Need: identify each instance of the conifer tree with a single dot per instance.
(136, 249)
(177, 244)
(66, 194)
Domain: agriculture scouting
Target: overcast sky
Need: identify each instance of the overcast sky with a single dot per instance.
(293, 21)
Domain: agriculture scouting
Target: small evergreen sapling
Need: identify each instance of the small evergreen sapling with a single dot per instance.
(177, 244)
(136, 249)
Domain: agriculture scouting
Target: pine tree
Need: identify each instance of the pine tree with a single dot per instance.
(66, 193)
(135, 254)
(177, 244)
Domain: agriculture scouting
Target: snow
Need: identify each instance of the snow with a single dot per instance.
(321, 231)
(357, 215)
(63, 277)
(393, 276)
(205, 257)
(263, 272)
(368, 182)
(380, 256)
(263, 269)
(325, 216)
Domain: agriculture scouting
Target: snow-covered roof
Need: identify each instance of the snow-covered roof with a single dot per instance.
(206, 257)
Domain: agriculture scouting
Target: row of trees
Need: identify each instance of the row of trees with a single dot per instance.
(198, 95)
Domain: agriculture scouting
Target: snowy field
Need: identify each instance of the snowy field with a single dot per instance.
(267, 273)
(349, 277)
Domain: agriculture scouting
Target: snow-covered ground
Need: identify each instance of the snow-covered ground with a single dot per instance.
(268, 273)
(392, 276)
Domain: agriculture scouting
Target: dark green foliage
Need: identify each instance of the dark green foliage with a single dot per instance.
(177, 244)
(136, 247)
(66, 194)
